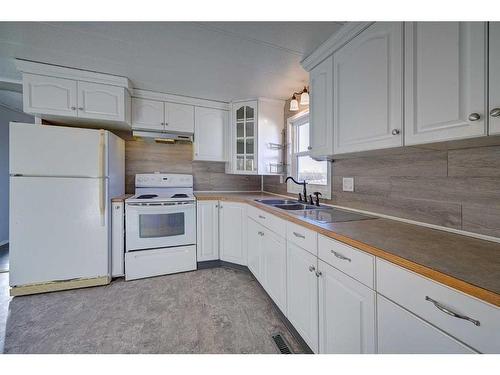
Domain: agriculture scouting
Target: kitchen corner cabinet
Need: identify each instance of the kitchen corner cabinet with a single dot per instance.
(210, 134)
(494, 77)
(161, 116)
(233, 232)
(53, 97)
(368, 90)
(346, 313)
(207, 230)
(320, 110)
(256, 137)
(445, 81)
(302, 293)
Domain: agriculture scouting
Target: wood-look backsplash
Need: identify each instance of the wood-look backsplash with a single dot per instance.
(143, 156)
(453, 188)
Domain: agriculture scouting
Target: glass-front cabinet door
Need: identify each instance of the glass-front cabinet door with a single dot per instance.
(245, 119)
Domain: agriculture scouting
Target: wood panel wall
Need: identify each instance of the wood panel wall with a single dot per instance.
(453, 188)
(142, 156)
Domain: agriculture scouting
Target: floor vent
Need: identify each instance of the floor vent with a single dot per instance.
(281, 343)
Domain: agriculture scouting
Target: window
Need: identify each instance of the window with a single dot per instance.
(316, 173)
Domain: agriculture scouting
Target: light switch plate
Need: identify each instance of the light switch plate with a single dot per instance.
(348, 183)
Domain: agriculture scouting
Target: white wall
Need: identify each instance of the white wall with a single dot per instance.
(6, 115)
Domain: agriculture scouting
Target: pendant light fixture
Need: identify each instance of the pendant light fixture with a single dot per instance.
(304, 99)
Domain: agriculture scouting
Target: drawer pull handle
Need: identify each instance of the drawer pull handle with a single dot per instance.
(340, 256)
(261, 217)
(450, 312)
(298, 235)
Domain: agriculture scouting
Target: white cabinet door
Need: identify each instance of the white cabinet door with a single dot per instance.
(494, 83)
(179, 117)
(147, 114)
(401, 332)
(101, 102)
(117, 239)
(368, 90)
(254, 248)
(49, 95)
(274, 267)
(346, 313)
(444, 81)
(302, 294)
(233, 232)
(320, 111)
(209, 132)
(207, 228)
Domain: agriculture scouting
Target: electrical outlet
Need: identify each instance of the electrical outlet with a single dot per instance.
(348, 183)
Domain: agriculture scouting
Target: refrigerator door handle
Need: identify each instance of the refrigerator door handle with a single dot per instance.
(102, 182)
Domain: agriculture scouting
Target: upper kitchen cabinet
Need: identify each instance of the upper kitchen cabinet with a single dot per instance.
(159, 116)
(210, 131)
(75, 96)
(367, 91)
(445, 81)
(494, 84)
(256, 137)
(320, 109)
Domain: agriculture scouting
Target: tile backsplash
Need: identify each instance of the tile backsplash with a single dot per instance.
(142, 156)
(453, 188)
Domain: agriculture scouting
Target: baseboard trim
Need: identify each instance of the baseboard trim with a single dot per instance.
(220, 263)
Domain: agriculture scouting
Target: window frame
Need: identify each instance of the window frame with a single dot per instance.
(292, 155)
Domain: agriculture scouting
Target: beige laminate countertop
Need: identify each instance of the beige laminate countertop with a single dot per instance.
(121, 198)
(467, 264)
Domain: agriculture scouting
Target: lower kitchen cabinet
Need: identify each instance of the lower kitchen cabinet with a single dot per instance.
(274, 267)
(302, 293)
(207, 230)
(346, 313)
(254, 248)
(233, 232)
(401, 332)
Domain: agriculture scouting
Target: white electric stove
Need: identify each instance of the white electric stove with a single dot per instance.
(160, 222)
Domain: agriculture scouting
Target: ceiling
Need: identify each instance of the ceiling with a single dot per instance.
(212, 60)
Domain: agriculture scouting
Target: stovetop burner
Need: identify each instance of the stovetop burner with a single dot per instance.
(179, 196)
(147, 196)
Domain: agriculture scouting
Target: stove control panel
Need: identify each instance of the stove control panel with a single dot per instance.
(163, 180)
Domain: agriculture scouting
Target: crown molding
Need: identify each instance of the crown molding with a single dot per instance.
(337, 40)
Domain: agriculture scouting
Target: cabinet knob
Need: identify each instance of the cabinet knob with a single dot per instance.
(80, 108)
(318, 273)
(309, 147)
(495, 112)
(474, 116)
(311, 268)
(73, 108)
(395, 131)
(166, 123)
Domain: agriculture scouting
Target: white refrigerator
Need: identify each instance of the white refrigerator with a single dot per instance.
(61, 183)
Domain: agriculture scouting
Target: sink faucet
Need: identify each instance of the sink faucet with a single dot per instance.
(303, 183)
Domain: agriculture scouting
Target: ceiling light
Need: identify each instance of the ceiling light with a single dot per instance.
(294, 104)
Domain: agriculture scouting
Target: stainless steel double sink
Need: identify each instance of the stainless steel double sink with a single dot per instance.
(319, 214)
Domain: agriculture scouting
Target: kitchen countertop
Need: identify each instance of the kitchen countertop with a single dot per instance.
(121, 198)
(464, 263)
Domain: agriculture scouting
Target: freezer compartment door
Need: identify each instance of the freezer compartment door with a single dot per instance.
(44, 150)
(58, 229)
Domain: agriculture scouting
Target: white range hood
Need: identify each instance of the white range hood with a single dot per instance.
(186, 137)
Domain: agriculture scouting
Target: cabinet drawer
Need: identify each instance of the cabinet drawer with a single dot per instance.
(430, 301)
(268, 220)
(303, 237)
(349, 260)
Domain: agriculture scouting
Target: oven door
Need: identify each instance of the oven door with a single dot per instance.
(158, 225)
